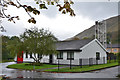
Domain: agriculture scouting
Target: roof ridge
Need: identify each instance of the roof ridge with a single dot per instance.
(76, 40)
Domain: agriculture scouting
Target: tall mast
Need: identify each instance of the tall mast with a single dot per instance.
(100, 32)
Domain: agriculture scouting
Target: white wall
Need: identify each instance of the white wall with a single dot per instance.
(27, 59)
(45, 59)
(65, 61)
(90, 50)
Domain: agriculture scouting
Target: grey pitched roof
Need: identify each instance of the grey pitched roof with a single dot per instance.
(71, 45)
(113, 45)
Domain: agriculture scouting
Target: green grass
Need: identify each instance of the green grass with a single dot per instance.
(30, 67)
(111, 61)
(0, 77)
(84, 68)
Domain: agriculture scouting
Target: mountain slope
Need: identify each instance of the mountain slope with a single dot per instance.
(112, 30)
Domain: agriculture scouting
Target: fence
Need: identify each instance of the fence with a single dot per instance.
(112, 59)
(78, 62)
(83, 61)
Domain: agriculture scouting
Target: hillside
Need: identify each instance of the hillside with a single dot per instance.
(112, 30)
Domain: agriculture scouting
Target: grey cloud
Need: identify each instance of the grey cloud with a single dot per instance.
(13, 29)
(51, 12)
(96, 10)
(93, 10)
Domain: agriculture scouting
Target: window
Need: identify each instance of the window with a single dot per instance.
(70, 55)
(115, 50)
(97, 56)
(60, 55)
(39, 56)
(30, 55)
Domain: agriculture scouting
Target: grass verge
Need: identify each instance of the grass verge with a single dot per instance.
(30, 67)
(84, 68)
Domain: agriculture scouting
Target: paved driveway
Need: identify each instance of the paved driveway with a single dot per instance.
(14, 73)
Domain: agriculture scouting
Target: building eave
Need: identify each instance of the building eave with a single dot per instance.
(77, 50)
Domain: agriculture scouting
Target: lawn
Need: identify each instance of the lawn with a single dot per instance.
(84, 68)
(0, 77)
(30, 67)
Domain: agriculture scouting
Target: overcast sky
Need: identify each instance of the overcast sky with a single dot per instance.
(62, 26)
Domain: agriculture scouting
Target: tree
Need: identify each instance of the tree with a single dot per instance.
(5, 52)
(38, 41)
(66, 8)
(15, 46)
(9, 47)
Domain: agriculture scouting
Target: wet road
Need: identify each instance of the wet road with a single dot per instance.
(14, 73)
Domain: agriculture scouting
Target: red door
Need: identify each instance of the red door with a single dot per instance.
(20, 57)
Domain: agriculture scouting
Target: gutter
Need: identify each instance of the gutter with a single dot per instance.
(78, 50)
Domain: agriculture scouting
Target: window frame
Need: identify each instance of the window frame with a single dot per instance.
(60, 55)
(70, 56)
(97, 55)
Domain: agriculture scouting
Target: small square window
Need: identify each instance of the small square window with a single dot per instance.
(70, 55)
(97, 56)
(60, 55)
